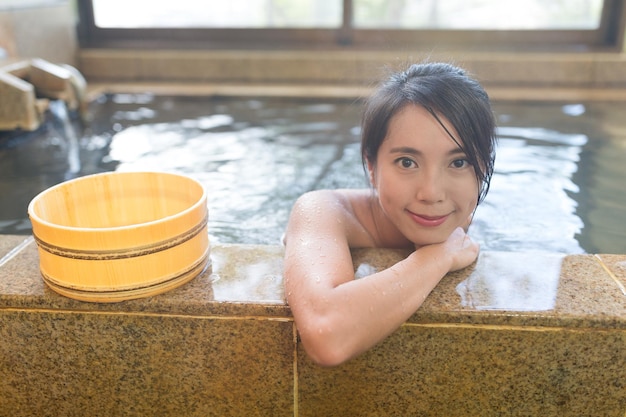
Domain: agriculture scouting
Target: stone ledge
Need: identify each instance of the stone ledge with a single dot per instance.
(348, 68)
(329, 91)
(245, 281)
(225, 343)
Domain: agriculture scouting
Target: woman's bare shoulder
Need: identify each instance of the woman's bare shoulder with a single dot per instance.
(338, 212)
(337, 198)
(339, 204)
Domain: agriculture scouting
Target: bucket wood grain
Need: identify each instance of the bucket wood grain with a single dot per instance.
(121, 235)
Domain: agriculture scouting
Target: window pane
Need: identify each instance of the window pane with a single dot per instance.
(477, 14)
(218, 13)
(23, 4)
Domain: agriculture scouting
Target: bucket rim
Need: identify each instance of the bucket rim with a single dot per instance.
(33, 215)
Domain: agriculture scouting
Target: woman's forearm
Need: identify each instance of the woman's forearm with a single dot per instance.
(354, 316)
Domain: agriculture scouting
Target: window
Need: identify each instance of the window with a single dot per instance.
(218, 14)
(478, 14)
(476, 24)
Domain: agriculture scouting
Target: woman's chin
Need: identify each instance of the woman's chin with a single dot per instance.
(431, 238)
(421, 243)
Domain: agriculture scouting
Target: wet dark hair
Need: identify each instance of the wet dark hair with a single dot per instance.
(444, 90)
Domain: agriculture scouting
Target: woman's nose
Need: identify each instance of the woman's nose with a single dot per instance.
(430, 187)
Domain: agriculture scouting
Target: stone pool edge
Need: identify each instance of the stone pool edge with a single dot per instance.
(246, 281)
(208, 347)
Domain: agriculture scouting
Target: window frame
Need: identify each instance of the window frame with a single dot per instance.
(609, 37)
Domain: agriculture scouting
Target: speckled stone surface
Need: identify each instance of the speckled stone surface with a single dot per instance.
(522, 289)
(514, 334)
(220, 345)
(242, 281)
(107, 364)
(9, 243)
(616, 267)
(462, 370)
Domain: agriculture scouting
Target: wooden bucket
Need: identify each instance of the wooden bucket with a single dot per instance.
(121, 235)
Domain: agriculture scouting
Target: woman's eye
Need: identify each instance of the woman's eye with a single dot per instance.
(406, 162)
(460, 163)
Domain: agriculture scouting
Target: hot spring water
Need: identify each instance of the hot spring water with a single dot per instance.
(558, 185)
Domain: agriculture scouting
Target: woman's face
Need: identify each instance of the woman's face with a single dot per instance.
(425, 185)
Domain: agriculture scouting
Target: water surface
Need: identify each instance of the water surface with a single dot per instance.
(557, 186)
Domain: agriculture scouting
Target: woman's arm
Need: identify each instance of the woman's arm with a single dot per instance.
(337, 316)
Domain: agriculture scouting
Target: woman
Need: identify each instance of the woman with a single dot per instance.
(428, 139)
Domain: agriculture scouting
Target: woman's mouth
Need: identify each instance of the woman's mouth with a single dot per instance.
(428, 221)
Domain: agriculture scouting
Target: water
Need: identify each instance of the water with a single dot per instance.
(60, 114)
(557, 187)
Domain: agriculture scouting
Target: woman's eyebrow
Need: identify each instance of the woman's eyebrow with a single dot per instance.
(405, 149)
(412, 151)
(457, 151)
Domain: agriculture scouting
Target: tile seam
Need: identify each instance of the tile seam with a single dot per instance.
(498, 327)
(144, 314)
(290, 320)
(611, 274)
(296, 387)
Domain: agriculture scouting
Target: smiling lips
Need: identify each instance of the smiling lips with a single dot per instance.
(428, 221)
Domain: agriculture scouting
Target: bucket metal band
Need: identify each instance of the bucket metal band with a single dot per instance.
(105, 255)
(204, 263)
(112, 295)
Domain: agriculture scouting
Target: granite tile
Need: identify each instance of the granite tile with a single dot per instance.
(517, 288)
(8, 243)
(107, 364)
(243, 280)
(248, 273)
(588, 292)
(19, 273)
(500, 288)
(616, 268)
(545, 330)
(465, 370)
(504, 281)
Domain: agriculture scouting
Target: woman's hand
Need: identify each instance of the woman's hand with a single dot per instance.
(461, 248)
